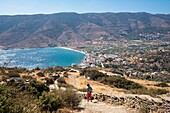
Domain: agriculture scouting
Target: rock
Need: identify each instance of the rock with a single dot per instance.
(63, 88)
(94, 101)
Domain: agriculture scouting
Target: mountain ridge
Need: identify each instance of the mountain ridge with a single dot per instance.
(69, 29)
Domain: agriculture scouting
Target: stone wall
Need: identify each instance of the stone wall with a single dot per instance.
(145, 102)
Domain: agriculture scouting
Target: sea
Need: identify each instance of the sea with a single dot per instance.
(40, 57)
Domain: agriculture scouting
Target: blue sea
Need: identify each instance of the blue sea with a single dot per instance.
(40, 57)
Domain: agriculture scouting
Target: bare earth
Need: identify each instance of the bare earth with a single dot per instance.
(80, 82)
(96, 107)
(100, 107)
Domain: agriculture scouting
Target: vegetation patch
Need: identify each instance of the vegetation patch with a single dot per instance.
(92, 73)
(151, 92)
(70, 98)
(162, 84)
(50, 102)
(40, 74)
(13, 74)
(120, 82)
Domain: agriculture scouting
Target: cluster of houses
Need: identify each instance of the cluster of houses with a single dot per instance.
(96, 59)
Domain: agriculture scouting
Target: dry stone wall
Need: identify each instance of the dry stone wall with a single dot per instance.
(147, 103)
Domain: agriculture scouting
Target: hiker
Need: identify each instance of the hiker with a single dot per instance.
(89, 91)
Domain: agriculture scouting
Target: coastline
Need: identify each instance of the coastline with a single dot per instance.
(73, 50)
(65, 48)
(47, 47)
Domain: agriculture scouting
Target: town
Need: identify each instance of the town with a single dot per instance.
(134, 58)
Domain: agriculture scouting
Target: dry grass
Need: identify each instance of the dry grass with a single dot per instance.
(80, 82)
(149, 84)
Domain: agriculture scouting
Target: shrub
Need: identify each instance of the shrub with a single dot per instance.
(5, 77)
(50, 102)
(162, 84)
(7, 105)
(19, 70)
(161, 91)
(13, 74)
(40, 74)
(49, 81)
(37, 68)
(62, 83)
(69, 97)
(12, 100)
(39, 87)
(151, 92)
(144, 109)
(61, 80)
(93, 74)
(121, 82)
(65, 74)
(58, 68)
(2, 71)
(54, 69)
(27, 77)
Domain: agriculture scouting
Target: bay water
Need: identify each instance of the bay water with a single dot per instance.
(40, 57)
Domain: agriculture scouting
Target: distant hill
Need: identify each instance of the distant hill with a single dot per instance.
(66, 29)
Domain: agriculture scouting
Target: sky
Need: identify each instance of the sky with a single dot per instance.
(15, 7)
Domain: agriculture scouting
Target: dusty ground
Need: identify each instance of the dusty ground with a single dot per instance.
(80, 82)
(100, 107)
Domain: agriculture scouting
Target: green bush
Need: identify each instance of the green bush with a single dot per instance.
(93, 74)
(39, 87)
(49, 81)
(50, 102)
(121, 82)
(2, 71)
(40, 74)
(13, 74)
(12, 100)
(69, 97)
(37, 68)
(151, 92)
(161, 91)
(162, 84)
(27, 77)
(5, 77)
(7, 105)
(61, 80)
(144, 109)
(54, 69)
(19, 70)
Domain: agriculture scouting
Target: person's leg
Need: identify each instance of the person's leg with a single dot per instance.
(88, 97)
(91, 97)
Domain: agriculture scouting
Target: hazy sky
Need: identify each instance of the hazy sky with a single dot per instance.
(12, 7)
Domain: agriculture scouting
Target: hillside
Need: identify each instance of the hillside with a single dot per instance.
(68, 29)
(40, 88)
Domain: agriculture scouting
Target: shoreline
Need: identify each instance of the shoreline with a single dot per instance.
(67, 48)
(73, 50)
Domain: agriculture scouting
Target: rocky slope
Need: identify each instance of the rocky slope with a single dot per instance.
(67, 29)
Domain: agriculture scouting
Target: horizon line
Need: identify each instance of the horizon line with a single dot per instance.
(29, 14)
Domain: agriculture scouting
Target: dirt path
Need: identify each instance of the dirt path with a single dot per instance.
(80, 82)
(100, 107)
